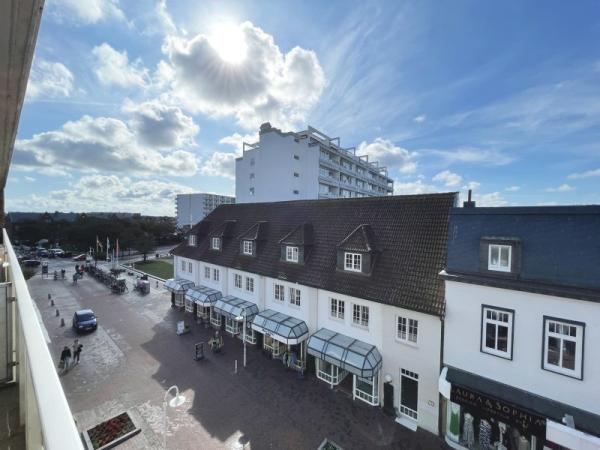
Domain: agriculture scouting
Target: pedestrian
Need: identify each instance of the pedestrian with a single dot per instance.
(65, 358)
(77, 353)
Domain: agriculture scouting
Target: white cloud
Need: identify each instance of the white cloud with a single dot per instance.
(99, 144)
(562, 188)
(389, 155)
(29, 179)
(513, 188)
(86, 11)
(262, 85)
(448, 178)
(472, 155)
(420, 119)
(237, 140)
(220, 164)
(49, 80)
(113, 68)
(413, 187)
(490, 199)
(472, 185)
(586, 174)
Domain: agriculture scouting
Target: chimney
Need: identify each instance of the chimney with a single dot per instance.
(469, 203)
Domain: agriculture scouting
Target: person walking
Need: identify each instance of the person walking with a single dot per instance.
(65, 358)
(76, 351)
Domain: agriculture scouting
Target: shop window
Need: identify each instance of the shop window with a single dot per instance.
(499, 257)
(367, 389)
(237, 281)
(409, 394)
(330, 373)
(291, 254)
(337, 308)
(497, 331)
(295, 296)
(279, 292)
(233, 326)
(216, 243)
(207, 273)
(215, 318)
(203, 312)
(360, 315)
(563, 347)
(250, 334)
(352, 262)
(216, 275)
(407, 330)
(250, 284)
(273, 345)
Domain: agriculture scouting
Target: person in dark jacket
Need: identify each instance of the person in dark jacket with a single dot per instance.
(65, 357)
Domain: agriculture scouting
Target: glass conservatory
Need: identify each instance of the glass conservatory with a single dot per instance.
(178, 287)
(201, 298)
(236, 311)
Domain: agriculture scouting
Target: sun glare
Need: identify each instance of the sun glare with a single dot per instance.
(228, 41)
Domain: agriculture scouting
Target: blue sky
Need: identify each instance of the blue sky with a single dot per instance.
(130, 103)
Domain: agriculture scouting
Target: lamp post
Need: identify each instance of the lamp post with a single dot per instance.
(176, 401)
(243, 318)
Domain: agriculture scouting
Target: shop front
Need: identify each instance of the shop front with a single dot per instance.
(284, 337)
(338, 356)
(177, 287)
(199, 301)
(237, 315)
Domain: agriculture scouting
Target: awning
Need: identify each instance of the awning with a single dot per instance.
(284, 328)
(202, 295)
(178, 285)
(357, 357)
(234, 307)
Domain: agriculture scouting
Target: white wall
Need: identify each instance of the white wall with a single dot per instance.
(307, 310)
(254, 297)
(463, 333)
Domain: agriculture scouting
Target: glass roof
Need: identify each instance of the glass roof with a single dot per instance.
(203, 295)
(350, 354)
(233, 307)
(284, 328)
(178, 285)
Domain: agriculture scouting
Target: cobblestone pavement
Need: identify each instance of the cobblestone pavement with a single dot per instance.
(135, 355)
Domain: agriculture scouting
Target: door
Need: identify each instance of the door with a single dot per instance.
(409, 394)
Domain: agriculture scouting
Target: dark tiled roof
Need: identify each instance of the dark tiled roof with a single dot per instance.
(256, 232)
(301, 235)
(411, 233)
(223, 230)
(362, 239)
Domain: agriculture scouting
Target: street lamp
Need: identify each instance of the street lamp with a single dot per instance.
(243, 318)
(176, 401)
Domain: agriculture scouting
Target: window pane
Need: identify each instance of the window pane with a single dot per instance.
(494, 257)
(502, 338)
(504, 257)
(490, 335)
(568, 354)
(553, 351)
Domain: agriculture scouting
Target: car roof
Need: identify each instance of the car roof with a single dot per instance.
(81, 312)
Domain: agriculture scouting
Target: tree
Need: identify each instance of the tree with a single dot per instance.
(143, 243)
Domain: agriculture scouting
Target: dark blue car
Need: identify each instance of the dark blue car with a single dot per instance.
(84, 320)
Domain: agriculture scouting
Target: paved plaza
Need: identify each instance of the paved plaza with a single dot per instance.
(135, 355)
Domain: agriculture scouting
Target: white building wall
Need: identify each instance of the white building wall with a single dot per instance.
(307, 310)
(463, 335)
(254, 297)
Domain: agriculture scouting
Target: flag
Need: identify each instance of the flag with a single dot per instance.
(117, 248)
(98, 244)
(107, 247)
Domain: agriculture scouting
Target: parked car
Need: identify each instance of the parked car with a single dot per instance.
(79, 257)
(31, 262)
(85, 320)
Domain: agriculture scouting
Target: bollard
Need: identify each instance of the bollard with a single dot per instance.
(57, 313)
(49, 296)
(235, 367)
(156, 284)
(62, 322)
(51, 302)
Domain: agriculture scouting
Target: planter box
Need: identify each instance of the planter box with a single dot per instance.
(329, 445)
(111, 432)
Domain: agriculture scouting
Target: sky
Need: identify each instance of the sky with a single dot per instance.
(132, 102)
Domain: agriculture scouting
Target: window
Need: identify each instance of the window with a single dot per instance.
(409, 394)
(296, 174)
(190, 269)
(295, 296)
(367, 389)
(250, 284)
(207, 273)
(252, 176)
(237, 280)
(496, 331)
(328, 372)
(563, 347)
(216, 243)
(192, 239)
(499, 257)
(216, 274)
(407, 330)
(247, 247)
(296, 192)
(296, 157)
(353, 262)
(279, 292)
(337, 308)
(360, 315)
(183, 266)
(251, 191)
(291, 254)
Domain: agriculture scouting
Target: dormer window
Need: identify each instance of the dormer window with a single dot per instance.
(216, 243)
(192, 240)
(353, 262)
(247, 248)
(499, 257)
(291, 254)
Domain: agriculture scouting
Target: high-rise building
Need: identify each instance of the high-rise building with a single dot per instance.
(192, 208)
(305, 165)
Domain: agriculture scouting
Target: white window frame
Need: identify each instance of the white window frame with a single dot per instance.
(190, 267)
(405, 410)
(353, 262)
(183, 265)
(215, 318)
(250, 284)
(216, 275)
(334, 376)
(295, 296)
(559, 333)
(216, 243)
(337, 308)
(360, 315)
(237, 281)
(207, 272)
(372, 397)
(499, 267)
(279, 292)
(192, 239)
(291, 253)
(407, 330)
(247, 247)
(496, 318)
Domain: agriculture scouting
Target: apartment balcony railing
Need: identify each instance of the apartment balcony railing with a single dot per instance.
(44, 412)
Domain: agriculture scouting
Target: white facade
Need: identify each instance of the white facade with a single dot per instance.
(305, 165)
(421, 357)
(192, 208)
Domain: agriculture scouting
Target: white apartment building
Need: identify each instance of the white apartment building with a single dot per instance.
(305, 165)
(192, 208)
(344, 290)
(522, 324)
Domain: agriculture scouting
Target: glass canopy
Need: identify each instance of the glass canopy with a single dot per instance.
(286, 329)
(202, 295)
(178, 285)
(234, 307)
(357, 357)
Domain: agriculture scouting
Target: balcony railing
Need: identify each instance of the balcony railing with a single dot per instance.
(44, 411)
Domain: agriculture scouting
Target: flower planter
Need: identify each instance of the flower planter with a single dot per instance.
(111, 432)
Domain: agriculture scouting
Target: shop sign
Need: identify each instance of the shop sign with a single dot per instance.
(505, 412)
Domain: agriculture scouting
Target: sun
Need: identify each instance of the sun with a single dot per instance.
(229, 43)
